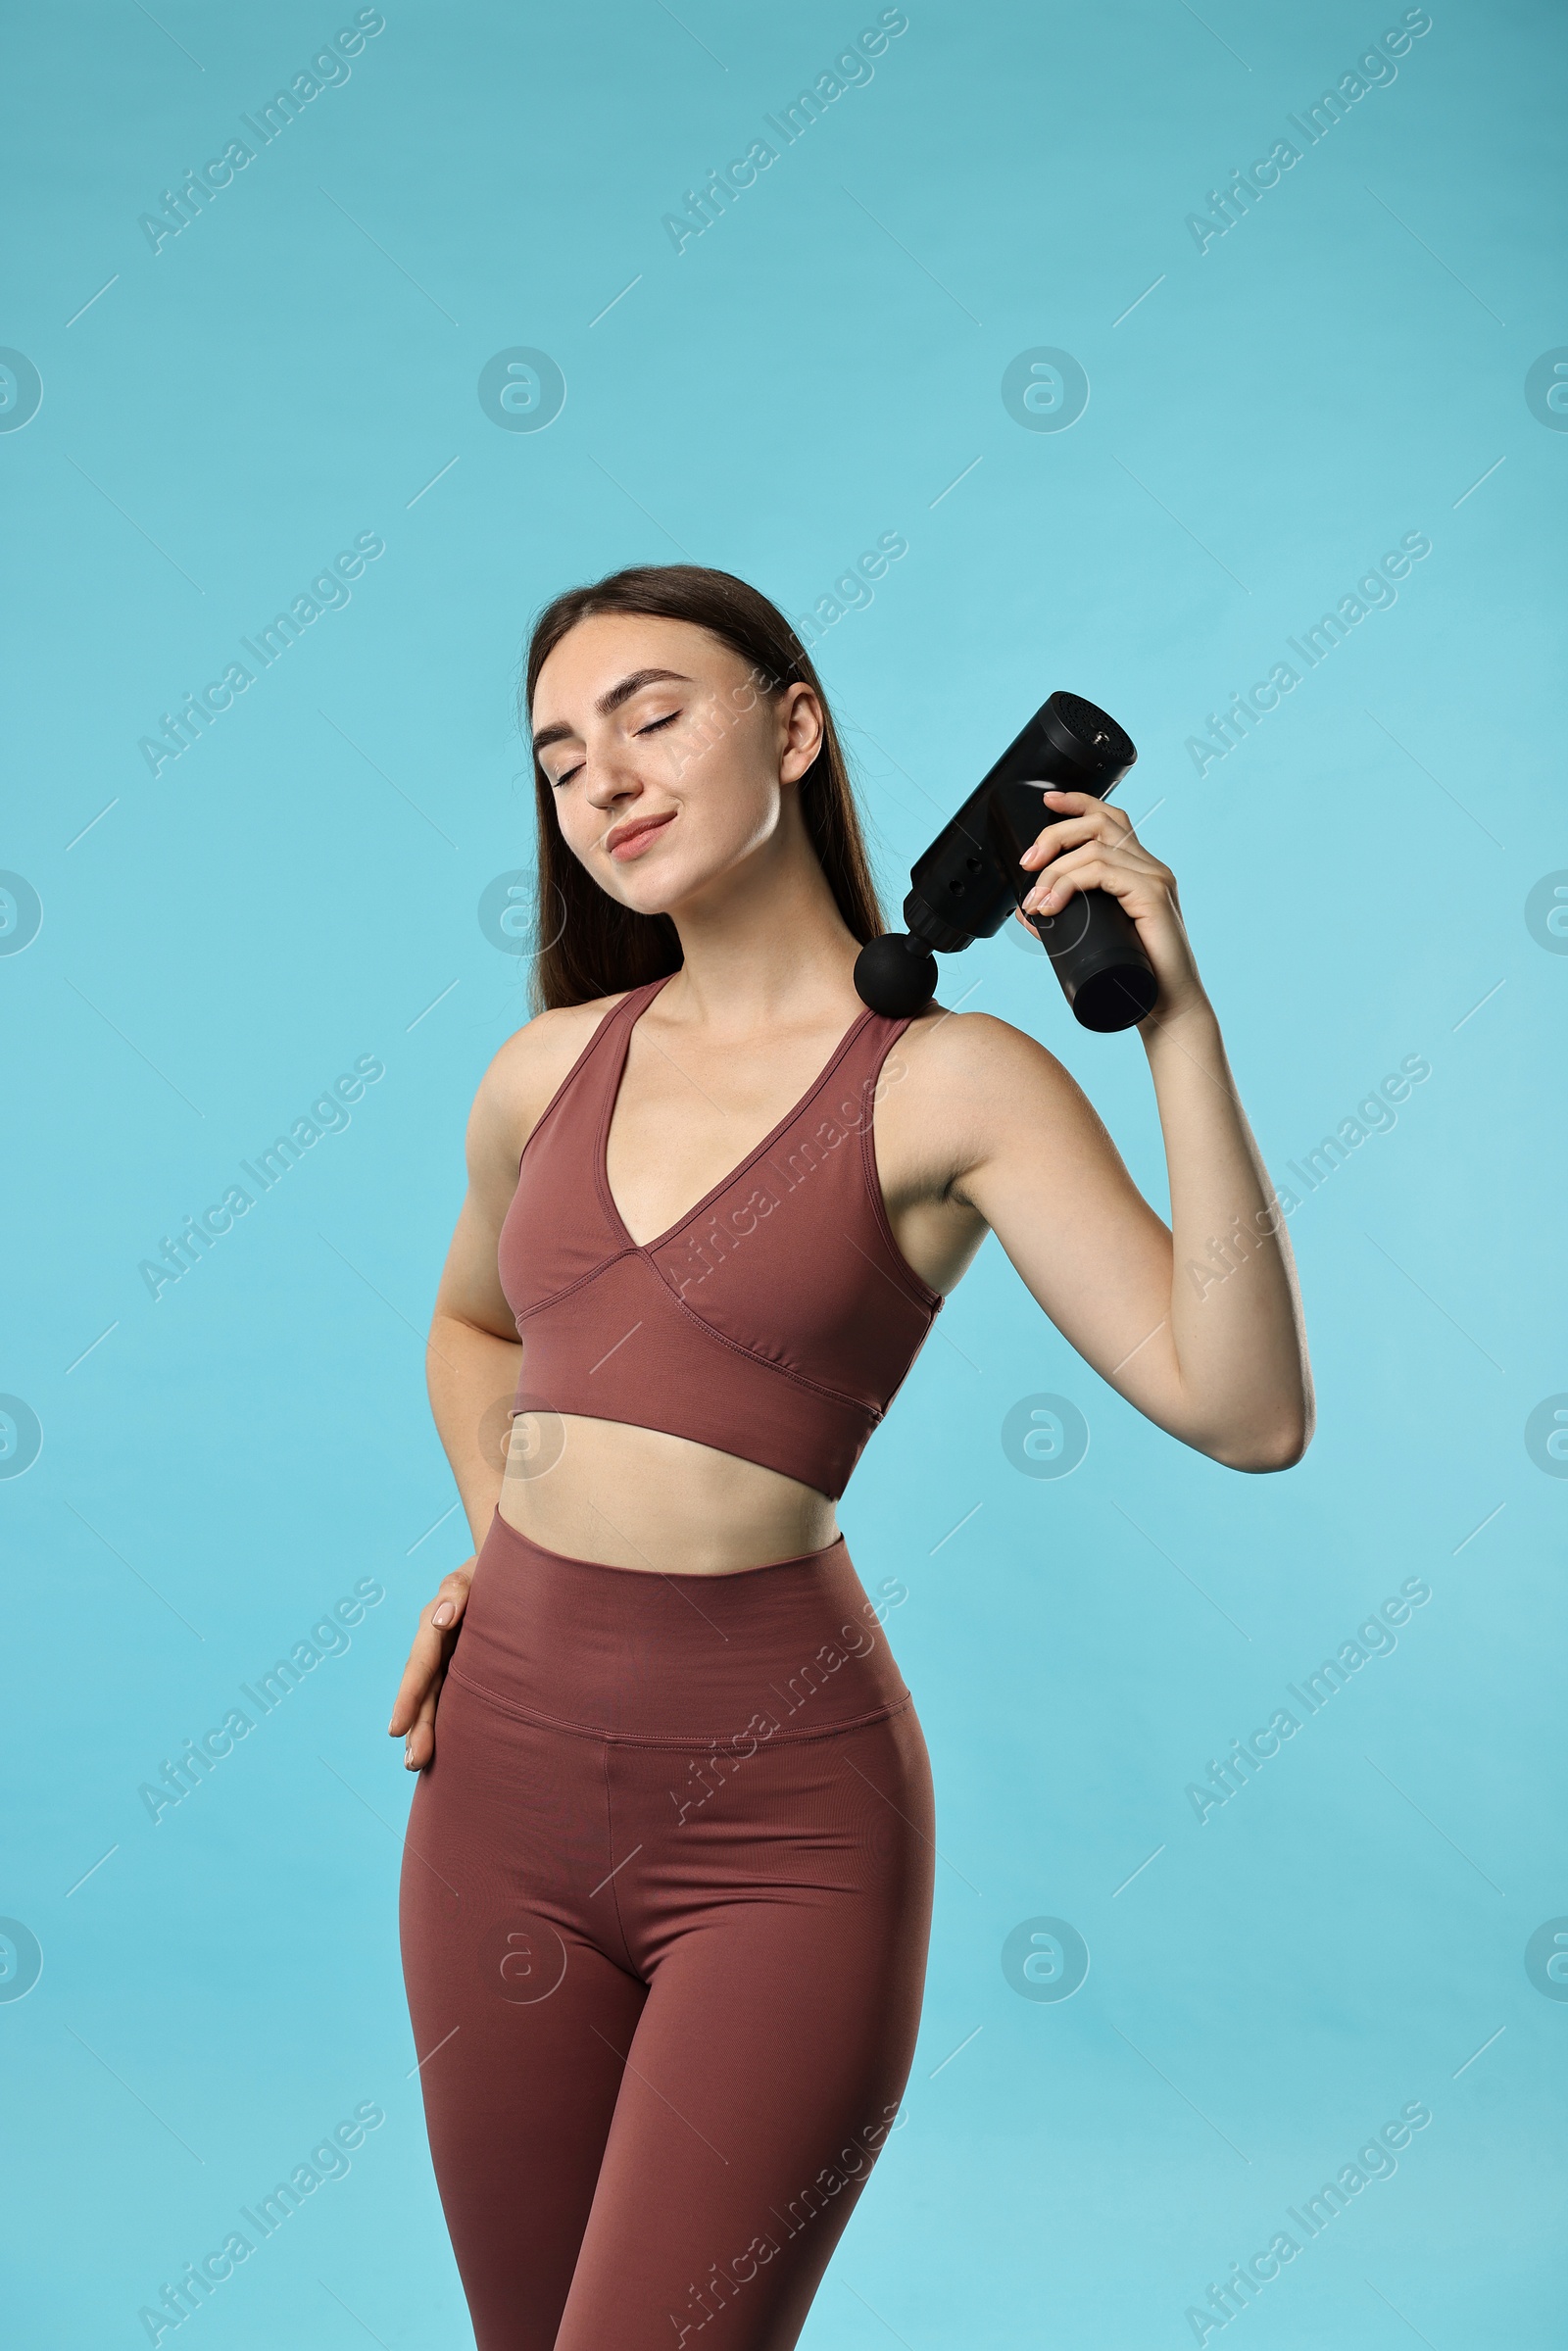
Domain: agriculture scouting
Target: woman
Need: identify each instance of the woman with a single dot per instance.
(668, 1883)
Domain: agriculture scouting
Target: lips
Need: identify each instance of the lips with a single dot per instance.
(630, 839)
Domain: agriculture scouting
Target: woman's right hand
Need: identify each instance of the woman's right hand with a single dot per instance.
(414, 1712)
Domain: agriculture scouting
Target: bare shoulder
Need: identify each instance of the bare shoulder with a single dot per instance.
(973, 1080)
(945, 1048)
(525, 1076)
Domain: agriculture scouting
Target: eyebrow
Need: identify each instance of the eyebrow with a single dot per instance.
(609, 702)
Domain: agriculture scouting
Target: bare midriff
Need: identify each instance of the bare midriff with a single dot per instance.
(624, 1496)
(634, 1498)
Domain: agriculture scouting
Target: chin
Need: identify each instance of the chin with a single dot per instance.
(655, 895)
(677, 880)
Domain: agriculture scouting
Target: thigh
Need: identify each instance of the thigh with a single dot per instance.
(783, 1929)
(519, 2014)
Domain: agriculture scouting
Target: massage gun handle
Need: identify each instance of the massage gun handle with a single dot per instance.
(1094, 946)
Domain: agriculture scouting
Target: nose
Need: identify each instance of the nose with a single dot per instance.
(611, 786)
(611, 776)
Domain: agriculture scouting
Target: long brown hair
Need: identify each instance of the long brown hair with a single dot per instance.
(594, 945)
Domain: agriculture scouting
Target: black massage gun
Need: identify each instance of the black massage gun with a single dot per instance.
(969, 880)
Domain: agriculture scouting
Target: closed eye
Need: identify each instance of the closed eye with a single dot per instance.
(651, 728)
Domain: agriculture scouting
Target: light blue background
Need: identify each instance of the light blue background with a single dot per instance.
(300, 889)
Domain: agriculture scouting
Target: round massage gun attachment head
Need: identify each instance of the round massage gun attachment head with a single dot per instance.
(896, 975)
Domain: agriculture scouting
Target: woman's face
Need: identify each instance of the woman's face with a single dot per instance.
(667, 762)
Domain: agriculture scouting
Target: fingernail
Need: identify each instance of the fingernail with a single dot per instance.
(443, 1614)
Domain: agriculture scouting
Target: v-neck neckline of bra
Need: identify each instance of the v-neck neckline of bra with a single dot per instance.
(612, 1096)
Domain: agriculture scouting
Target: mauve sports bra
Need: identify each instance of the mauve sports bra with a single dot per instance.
(776, 1320)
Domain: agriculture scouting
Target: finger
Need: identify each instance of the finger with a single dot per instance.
(1056, 838)
(446, 1609)
(1129, 862)
(419, 1748)
(1055, 887)
(432, 1644)
(420, 1676)
(1085, 873)
(1068, 795)
(1095, 823)
(1085, 804)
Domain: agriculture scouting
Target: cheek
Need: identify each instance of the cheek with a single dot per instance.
(750, 814)
(730, 798)
(580, 824)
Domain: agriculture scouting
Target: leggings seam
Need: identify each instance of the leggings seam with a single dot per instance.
(648, 1739)
(610, 1833)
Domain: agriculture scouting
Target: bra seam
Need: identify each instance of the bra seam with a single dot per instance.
(651, 1738)
(784, 1371)
(802, 1379)
(556, 1297)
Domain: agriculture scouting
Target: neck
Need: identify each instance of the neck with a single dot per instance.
(767, 948)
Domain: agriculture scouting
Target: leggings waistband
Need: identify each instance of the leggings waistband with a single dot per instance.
(790, 1650)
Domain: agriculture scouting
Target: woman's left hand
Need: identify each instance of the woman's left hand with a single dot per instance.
(1093, 848)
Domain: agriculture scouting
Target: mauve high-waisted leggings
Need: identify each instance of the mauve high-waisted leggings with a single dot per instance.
(665, 1902)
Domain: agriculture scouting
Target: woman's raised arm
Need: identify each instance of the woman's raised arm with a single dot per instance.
(1197, 1323)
